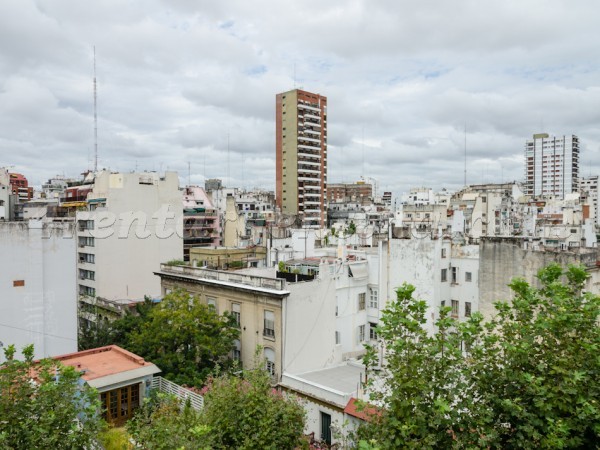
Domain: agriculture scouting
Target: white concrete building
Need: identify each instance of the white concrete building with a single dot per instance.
(589, 187)
(38, 298)
(133, 223)
(551, 165)
(5, 193)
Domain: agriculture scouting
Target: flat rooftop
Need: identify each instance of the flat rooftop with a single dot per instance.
(345, 378)
(104, 361)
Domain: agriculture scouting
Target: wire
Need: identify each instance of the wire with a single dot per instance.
(37, 332)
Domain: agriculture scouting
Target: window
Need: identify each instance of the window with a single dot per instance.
(86, 290)
(361, 333)
(86, 274)
(483, 199)
(468, 277)
(454, 308)
(326, 428)
(455, 275)
(338, 338)
(372, 331)
(237, 350)
(269, 329)
(212, 304)
(87, 258)
(443, 253)
(442, 303)
(444, 275)
(236, 313)
(373, 298)
(361, 301)
(86, 241)
(270, 361)
(467, 309)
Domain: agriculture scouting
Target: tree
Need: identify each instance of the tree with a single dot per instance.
(185, 338)
(161, 423)
(115, 332)
(528, 378)
(55, 411)
(247, 413)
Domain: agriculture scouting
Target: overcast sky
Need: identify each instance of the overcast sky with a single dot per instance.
(403, 80)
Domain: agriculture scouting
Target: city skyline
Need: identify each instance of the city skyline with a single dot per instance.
(184, 82)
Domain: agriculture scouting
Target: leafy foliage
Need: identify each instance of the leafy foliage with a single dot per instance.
(161, 424)
(528, 378)
(239, 412)
(185, 338)
(56, 412)
(116, 332)
(247, 413)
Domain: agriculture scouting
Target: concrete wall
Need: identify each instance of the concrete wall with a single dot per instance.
(38, 301)
(504, 259)
(309, 325)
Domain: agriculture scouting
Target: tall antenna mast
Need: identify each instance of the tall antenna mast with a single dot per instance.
(95, 118)
(228, 180)
(465, 154)
(189, 174)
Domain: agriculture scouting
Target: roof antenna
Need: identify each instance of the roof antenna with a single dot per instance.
(465, 154)
(95, 117)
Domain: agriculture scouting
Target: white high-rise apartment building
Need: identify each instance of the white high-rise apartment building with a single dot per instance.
(551, 165)
(301, 156)
(132, 223)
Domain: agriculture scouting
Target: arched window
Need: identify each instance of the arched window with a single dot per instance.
(270, 361)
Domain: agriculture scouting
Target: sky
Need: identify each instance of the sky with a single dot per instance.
(190, 85)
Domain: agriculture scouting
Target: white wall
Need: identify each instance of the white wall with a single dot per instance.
(43, 312)
(126, 259)
(309, 325)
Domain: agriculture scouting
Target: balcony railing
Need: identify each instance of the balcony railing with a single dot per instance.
(182, 394)
(248, 280)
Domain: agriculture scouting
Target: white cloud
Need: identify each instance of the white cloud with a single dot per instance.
(175, 78)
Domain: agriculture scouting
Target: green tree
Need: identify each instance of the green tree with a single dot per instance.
(247, 413)
(185, 338)
(161, 423)
(528, 378)
(56, 411)
(116, 332)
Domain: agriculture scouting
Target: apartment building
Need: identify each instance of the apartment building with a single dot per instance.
(551, 165)
(589, 188)
(201, 224)
(293, 323)
(360, 192)
(127, 224)
(301, 156)
(38, 302)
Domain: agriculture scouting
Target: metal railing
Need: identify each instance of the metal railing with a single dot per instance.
(183, 394)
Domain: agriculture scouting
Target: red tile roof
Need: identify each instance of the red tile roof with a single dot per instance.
(365, 412)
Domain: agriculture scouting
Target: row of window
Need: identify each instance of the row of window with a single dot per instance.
(454, 275)
(236, 312)
(456, 308)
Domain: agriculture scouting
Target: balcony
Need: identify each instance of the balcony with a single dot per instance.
(316, 133)
(316, 180)
(305, 170)
(312, 117)
(308, 107)
(309, 147)
(311, 124)
(309, 139)
(310, 163)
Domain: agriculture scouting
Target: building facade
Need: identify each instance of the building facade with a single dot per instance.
(551, 165)
(301, 156)
(128, 224)
(38, 300)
